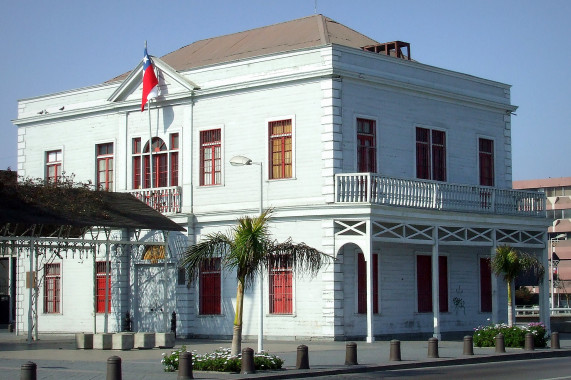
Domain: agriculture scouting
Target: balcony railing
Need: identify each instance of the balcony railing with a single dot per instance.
(163, 199)
(376, 189)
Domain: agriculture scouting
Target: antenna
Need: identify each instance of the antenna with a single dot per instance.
(315, 6)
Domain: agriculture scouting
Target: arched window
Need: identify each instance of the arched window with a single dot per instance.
(164, 165)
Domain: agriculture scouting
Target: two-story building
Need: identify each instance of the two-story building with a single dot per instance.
(400, 170)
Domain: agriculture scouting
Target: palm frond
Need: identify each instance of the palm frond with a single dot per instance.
(302, 258)
(213, 245)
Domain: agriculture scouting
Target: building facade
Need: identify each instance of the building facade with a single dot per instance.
(399, 170)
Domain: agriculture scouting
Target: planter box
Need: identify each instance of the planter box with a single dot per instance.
(144, 340)
(123, 341)
(84, 341)
(164, 340)
(103, 341)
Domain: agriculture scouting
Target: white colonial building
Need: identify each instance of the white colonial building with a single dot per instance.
(400, 170)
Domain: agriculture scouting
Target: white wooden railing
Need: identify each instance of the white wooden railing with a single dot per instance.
(163, 199)
(533, 310)
(376, 189)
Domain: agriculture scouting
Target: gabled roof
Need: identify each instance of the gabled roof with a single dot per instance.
(312, 31)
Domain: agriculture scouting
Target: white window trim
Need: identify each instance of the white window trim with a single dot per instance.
(45, 159)
(267, 296)
(266, 160)
(114, 142)
(478, 137)
(196, 157)
(197, 292)
(430, 127)
(377, 132)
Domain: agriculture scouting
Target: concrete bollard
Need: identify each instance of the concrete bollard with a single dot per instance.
(302, 357)
(351, 353)
(433, 348)
(114, 368)
(500, 345)
(529, 344)
(185, 366)
(395, 351)
(248, 361)
(555, 341)
(468, 345)
(28, 371)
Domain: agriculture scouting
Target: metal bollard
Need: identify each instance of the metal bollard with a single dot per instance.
(529, 344)
(433, 348)
(395, 350)
(555, 341)
(114, 368)
(185, 366)
(248, 361)
(28, 371)
(173, 323)
(500, 345)
(468, 345)
(351, 353)
(302, 357)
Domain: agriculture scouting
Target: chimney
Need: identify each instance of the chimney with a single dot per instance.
(397, 49)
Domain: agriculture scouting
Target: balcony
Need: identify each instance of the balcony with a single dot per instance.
(380, 190)
(166, 200)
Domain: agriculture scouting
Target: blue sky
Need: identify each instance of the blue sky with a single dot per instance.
(58, 45)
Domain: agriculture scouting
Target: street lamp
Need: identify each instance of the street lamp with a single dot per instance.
(245, 161)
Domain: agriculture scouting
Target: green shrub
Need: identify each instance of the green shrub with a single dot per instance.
(484, 336)
(220, 361)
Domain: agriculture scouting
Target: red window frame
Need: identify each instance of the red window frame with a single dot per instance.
(211, 157)
(165, 162)
(210, 287)
(174, 141)
(362, 284)
(485, 285)
(486, 161)
(52, 288)
(424, 283)
(53, 165)
(280, 280)
(366, 146)
(100, 276)
(105, 166)
(280, 134)
(430, 154)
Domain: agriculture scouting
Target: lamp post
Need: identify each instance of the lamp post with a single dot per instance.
(245, 161)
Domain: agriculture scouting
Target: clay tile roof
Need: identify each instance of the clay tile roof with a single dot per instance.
(312, 31)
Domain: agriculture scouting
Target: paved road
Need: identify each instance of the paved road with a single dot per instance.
(538, 369)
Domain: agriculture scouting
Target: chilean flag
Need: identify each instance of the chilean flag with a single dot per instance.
(150, 82)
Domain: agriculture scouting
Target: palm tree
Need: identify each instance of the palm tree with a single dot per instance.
(248, 248)
(509, 263)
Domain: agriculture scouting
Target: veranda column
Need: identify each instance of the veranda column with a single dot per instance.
(435, 284)
(369, 261)
(495, 295)
(544, 307)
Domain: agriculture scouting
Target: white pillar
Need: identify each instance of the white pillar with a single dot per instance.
(495, 293)
(435, 284)
(368, 254)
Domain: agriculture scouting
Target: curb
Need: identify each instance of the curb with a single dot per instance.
(296, 374)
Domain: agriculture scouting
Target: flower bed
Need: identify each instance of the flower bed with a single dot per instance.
(484, 336)
(220, 361)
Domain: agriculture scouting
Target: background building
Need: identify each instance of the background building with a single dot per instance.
(558, 193)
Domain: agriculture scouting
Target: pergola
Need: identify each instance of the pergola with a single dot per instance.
(56, 221)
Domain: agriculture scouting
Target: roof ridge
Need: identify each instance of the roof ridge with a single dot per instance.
(322, 27)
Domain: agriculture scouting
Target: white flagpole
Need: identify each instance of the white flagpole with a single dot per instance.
(150, 135)
(150, 143)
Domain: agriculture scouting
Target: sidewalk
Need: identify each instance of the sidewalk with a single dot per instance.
(57, 357)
